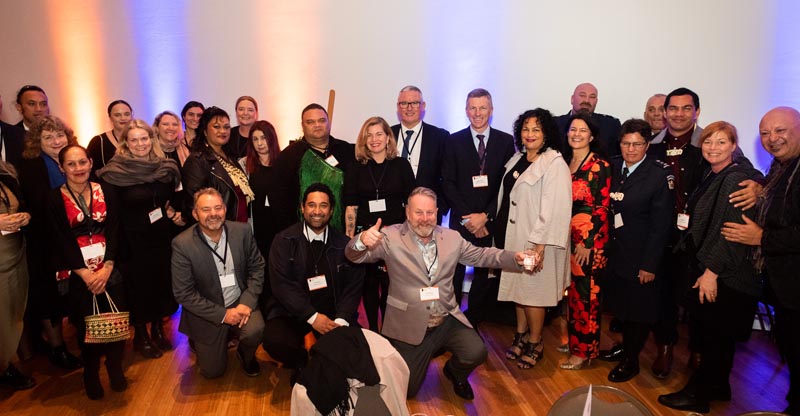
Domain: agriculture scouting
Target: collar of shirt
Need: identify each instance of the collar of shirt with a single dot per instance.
(216, 245)
(312, 236)
(634, 166)
(403, 131)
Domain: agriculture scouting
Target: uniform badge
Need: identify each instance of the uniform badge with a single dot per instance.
(617, 196)
(671, 181)
(674, 152)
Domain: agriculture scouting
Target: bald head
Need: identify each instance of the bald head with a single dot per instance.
(584, 98)
(654, 112)
(780, 133)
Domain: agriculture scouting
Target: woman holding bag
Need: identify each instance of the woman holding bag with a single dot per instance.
(84, 228)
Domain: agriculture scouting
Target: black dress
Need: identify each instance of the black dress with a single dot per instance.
(100, 150)
(262, 182)
(146, 249)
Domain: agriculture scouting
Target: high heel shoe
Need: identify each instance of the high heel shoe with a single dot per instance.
(531, 355)
(571, 365)
(517, 345)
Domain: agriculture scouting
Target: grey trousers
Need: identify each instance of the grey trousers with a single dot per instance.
(466, 345)
(212, 354)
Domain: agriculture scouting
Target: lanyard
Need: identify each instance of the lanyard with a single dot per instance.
(87, 215)
(414, 144)
(317, 257)
(435, 258)
(380, 180)
(224, 257)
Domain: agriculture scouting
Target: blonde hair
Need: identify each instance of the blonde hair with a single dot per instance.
(155, 149)
(363, 155)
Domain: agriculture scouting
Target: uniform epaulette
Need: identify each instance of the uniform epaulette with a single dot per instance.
(661, 164)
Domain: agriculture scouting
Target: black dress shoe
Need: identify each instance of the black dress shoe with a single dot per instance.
(616, 353)
(683, 400)
(251, 366)
(663, 363)
(14, 379)
(624, 371)
(461, 388)
(60, 357)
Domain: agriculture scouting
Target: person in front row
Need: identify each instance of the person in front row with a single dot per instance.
(314, 288)
(422, 315)
(217, 275)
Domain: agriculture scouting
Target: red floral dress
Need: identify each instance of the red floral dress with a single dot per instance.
(591, 185)
(80, 227)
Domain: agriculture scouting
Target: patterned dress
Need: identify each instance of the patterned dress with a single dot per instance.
(591, 184)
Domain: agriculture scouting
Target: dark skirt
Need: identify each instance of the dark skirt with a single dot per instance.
(631, 301)
(731, 315)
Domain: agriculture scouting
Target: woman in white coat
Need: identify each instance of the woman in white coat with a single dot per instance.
(535, 205)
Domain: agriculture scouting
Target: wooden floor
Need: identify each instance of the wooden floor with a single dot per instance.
(171, 385)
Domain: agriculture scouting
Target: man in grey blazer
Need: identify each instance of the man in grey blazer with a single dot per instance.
(217, 275)
(422, 315)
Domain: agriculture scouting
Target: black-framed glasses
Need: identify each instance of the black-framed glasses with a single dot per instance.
(405, 104)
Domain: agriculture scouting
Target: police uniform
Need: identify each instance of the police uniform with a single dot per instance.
(642, 220)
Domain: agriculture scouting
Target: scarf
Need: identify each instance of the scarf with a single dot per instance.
(124, 170)
(238, 177)
(776, 172)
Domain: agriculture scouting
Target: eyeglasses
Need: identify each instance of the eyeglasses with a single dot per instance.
(635, 145)
(405, 104)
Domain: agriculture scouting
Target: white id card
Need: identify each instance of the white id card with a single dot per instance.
(266, 200)
(480, 181)
(618, 220)
(227, 280)
(683, 221)
(317, 282)
(155, 215)
(331, 160)
(377, 205)
(429, 293)
(93, 251)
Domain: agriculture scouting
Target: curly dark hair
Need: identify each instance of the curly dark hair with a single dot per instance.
(199, 143)
(594, 146)
(552, 137)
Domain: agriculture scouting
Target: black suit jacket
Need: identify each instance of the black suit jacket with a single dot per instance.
(461, 163)
(609, 132)
(12, 137)
(429, 172)
(645, 202)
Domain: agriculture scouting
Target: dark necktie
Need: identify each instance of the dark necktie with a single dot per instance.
(625, 173)
(406, 142)
(481, 152)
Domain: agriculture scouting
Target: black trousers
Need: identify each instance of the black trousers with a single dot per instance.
(789, 343)
(375, 293)
(284, 340)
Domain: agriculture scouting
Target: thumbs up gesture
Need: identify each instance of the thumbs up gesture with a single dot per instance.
(372, 236)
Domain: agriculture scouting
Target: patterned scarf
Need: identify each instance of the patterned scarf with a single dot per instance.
(776, 172)
(238, 177)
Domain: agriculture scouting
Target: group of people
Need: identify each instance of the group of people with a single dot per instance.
(634, 218)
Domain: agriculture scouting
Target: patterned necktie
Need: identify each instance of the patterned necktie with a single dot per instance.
(406, 142)
(481, 152)
(625, 173)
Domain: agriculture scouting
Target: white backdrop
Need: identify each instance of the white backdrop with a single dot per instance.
(741, 57)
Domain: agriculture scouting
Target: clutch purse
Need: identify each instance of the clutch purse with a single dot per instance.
(107, 327)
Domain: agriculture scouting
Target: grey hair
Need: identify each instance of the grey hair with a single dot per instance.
(421, 190)
(207, 191)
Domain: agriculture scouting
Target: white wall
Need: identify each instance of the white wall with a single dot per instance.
(741, 57)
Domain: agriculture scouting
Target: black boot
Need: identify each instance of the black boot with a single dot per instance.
(157, 335)
(61, 357)
(91, 372)
(143, 343)
(116, 376)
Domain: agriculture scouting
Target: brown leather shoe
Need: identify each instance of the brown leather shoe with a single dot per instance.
(663, 363)
(694, 360)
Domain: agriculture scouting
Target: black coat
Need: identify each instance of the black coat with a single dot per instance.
(780, 243)
(203, 170)
(12, 139)
(288, 258)
(461, 163)
(609, 132)
(429, 172)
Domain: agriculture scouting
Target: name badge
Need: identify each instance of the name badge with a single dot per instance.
(480, 181)
(317, 282)
(377, 205)
(683, 221)
(155, 215)
(331, 160)
(93, 251)
(227, 280)
(266, 200)
(618, 220)
(674, 152)
(179, 187)
(429, 293)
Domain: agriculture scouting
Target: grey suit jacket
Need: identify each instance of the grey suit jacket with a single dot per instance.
(196, 285)
(406, 315)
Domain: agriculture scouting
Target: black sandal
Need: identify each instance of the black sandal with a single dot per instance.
(517, 346)
(531, 355)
